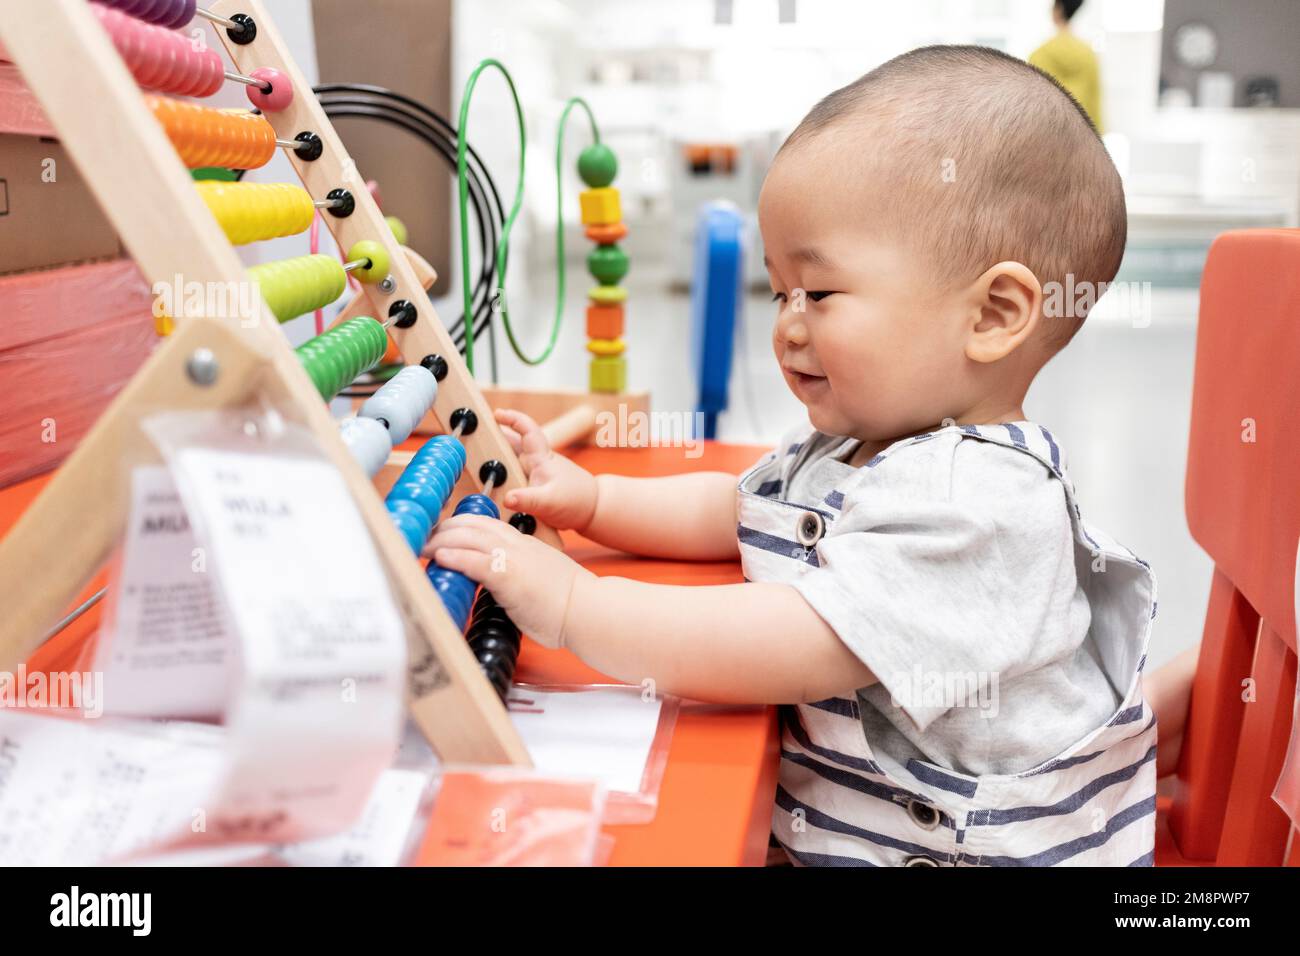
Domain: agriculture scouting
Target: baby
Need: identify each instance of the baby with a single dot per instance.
(959, 652)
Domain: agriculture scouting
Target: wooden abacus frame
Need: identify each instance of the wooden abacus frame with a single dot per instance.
(69, 532)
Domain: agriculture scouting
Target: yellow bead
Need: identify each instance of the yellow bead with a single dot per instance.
(605, 346)
(608, 374)
(164, 325)
(600, 207)
(252, 212)
(378, 256)
(607, 294)
(399, 229)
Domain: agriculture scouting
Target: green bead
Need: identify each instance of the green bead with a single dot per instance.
(597, 165)
(335, 358)
(607, 263)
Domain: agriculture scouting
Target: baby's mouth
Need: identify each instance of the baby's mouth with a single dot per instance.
(803, 381)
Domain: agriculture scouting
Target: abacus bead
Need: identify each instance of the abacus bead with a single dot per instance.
(478, 505)
(456, 446)
(402, 401)
(455, 590)
(207, 137)
(597, 165)
(281, 94)
(368, 441)
(338, 356)
(378, 256)
(411, 520)
(294, 287)
(423, 493)
(399, 229)
(608, 264)
(439, 474)
(252, 212)
(600, 207)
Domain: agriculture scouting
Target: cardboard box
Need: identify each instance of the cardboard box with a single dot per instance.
(48, 216)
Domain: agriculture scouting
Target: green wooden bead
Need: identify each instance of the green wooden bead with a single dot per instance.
(597, 165)
(607, 263)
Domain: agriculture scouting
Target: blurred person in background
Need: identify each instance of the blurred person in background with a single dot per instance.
(1071, 61)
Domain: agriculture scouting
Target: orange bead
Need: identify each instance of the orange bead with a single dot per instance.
(607, 234)
(236, 139)
(604, 321)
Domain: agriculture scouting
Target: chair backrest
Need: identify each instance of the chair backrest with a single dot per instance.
(1243, 507)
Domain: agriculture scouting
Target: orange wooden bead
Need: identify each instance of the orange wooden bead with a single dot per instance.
(607, 234)
(604, 321)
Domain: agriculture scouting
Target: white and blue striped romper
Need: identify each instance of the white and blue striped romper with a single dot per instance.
(841, 804)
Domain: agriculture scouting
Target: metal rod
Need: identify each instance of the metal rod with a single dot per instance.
(231, 24)
(90, 602)
(262, 85)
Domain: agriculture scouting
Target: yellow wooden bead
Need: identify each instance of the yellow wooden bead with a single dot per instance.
(600, 207)
(605, 346)
(607, 294)
(608, 374)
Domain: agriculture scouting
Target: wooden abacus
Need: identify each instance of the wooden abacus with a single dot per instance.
(66, 51)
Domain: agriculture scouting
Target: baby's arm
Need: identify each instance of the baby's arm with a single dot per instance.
(688, 517)
(751, 643)
(757, 643)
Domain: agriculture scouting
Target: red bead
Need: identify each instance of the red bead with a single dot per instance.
(281, 94)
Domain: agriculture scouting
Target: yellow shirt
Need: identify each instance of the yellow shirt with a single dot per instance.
(1073, 63)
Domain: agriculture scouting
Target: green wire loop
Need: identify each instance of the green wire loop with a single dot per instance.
(503, 243)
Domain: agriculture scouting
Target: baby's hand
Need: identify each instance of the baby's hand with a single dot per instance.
(559, 493)
(529, 579)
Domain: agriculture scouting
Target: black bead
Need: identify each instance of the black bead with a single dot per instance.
(406, 315)
(492, 471)
(311, 147)
(526, 524)
(346, 204)
(437, 365)
(467, 416)
(247, 31)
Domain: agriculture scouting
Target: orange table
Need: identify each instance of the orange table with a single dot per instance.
(716, 798)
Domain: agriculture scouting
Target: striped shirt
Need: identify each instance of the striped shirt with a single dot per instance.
(1008, 637)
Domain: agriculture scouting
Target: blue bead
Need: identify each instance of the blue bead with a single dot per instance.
(478, 505)
(421, 492)
(410, 519)
(455, 590)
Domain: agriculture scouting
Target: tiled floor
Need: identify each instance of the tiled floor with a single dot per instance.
(1118, 399)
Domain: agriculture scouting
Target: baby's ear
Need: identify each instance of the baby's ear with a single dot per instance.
(1006, 302)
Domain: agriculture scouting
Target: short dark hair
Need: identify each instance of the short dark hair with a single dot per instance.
(1069, 8)
(990, 159)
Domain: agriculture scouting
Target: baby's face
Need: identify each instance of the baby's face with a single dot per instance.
(864, 338)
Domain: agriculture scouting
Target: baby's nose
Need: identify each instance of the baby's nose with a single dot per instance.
(791, 328)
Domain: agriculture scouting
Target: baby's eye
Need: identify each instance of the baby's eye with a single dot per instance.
(778, 296)
(818, 296)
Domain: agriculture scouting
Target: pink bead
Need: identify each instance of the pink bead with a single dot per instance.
(281, 94)
(162, 59)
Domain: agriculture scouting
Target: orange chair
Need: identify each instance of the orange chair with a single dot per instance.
(1243, 507)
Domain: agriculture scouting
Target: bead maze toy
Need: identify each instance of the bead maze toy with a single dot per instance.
(140, 146)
